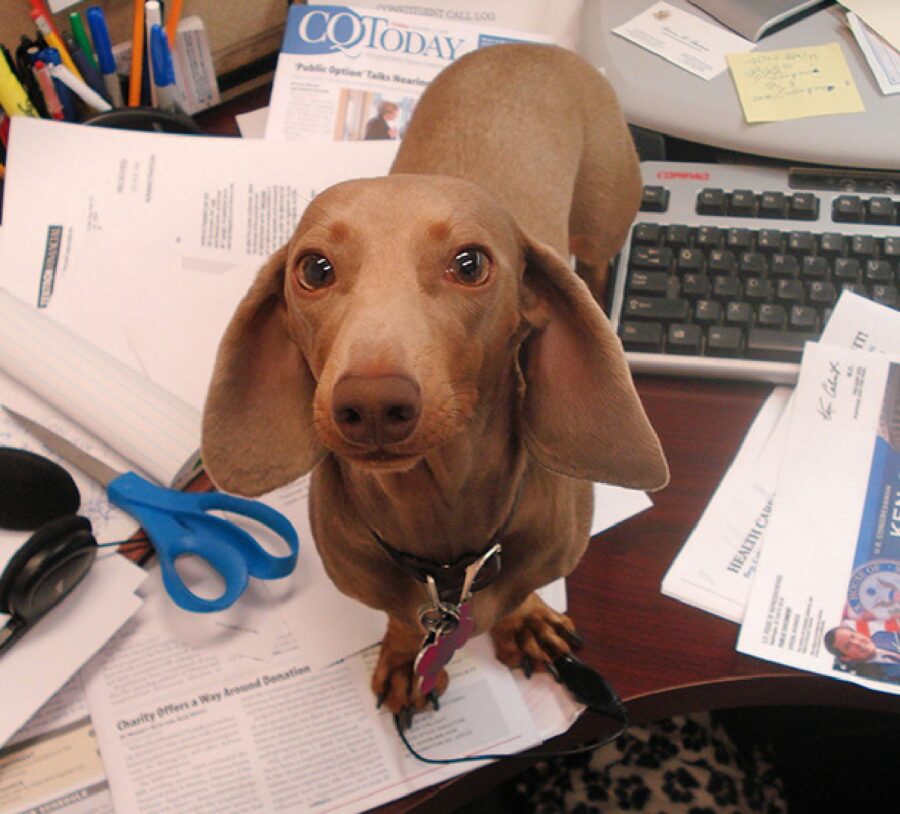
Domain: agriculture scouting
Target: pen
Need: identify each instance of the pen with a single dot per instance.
(163, 73)
(81, 89)
(53, 40)
(91, 75)
(51, 99)
(152, 17)
(80, 36)
(105, 58)
(13, 97)
(137, 55)
(51, 57)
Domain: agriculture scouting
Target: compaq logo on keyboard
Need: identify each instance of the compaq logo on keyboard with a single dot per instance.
(667, 175)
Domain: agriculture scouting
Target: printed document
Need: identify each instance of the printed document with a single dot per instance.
(715, 568)
(832, 552)
(355, 74)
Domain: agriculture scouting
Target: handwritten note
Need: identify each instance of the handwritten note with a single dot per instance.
(794, 84)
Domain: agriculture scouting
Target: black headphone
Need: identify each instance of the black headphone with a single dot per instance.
(37, 493)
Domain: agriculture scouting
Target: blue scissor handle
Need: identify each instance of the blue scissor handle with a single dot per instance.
(179, 523)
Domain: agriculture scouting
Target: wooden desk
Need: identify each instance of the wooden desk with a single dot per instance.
(663, 657)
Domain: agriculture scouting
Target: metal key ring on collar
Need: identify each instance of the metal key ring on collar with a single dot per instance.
(441, 617)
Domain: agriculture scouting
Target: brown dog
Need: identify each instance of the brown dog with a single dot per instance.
(424, 347)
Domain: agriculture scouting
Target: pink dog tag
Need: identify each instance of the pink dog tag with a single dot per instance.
(439, 647)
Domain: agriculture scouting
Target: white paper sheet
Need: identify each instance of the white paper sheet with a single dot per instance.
(832, 550)
(715, 568)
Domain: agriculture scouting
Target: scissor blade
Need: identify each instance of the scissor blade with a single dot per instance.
(88, 464)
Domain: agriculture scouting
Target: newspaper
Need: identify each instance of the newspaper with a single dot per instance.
(184, 728)
(355, 74)
(715, 568)
(832, 552)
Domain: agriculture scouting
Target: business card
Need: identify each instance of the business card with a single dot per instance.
(683, 39)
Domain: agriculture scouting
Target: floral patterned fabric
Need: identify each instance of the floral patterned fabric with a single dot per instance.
(682, 765)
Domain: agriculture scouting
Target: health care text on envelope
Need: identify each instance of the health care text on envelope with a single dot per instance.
(794, 84)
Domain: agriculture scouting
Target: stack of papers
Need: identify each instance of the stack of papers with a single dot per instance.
(802, 535)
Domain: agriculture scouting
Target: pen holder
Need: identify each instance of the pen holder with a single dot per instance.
(146, 118)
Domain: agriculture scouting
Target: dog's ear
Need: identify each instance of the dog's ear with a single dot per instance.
(257, 422)
(582, 415)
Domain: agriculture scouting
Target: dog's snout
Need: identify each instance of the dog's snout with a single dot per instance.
(376, 410)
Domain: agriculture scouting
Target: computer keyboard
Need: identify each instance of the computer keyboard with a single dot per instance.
(730, 269)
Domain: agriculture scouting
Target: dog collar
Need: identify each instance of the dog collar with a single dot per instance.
(450, 577)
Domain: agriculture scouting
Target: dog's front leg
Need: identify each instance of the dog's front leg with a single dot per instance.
(394, 681)
(533, 635)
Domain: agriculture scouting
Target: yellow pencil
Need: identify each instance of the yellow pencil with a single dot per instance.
(173, 15)
(137, 55)
(54, 41)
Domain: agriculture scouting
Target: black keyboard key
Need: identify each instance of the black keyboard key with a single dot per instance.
(727, 288)
(769, 241)
(803, 318)
(742, 203)
(652, 258)
(891, 247)
(757, 289)
(771, 316)
(855, 288)
(676, 236)
(655, 199)
(804, 206)
(784, 265)
(707, 312)
(878, 271)
(880, 210)
(722, 260)
(647, 234)
(847, 209)
(739, 239)
(708, 237)
(802, 243)
(684, 339)
(752, 263)
(722, 340)
(773, 205)
(814, 268)
(739, 314)
(832, 244)
(712, 202)
(863, 246)
(886, 295)
(660, 309)
(645, 337)
(648, 282)
(789, 291)
(694, 286)
(690, 260)
(847, 270)
(777, 346)
(821, 293)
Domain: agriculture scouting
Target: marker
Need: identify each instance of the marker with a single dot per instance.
(92, 75)
(81, 89)
(51, 38)
(51, 57)
(13, 97)
(105, 58)
(80, 36)
(51, 99)
(163, 72)
(152, 17)
(137, 55)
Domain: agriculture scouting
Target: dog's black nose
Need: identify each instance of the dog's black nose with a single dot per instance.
(378, 410)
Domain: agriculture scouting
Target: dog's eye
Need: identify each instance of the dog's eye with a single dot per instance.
(315, 271)
(469, 267)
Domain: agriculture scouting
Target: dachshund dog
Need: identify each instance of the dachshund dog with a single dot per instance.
(424, 347)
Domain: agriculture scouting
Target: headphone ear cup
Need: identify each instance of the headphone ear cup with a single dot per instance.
(47, 567)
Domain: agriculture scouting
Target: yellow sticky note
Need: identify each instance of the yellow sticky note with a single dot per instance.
(795, 83)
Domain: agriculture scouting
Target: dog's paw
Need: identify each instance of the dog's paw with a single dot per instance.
(533, 635)
(394, 682)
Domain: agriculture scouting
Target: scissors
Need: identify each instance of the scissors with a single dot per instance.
(179, 523)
